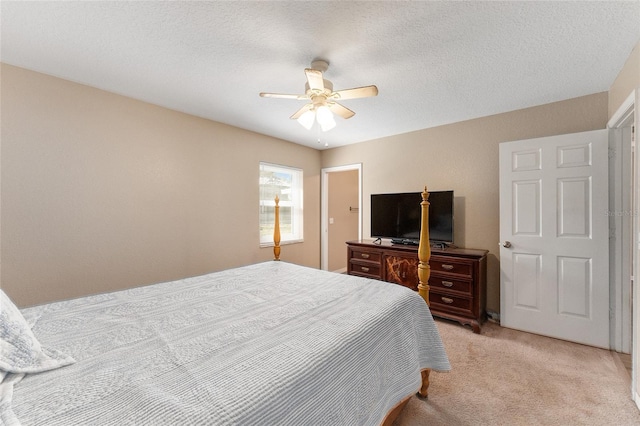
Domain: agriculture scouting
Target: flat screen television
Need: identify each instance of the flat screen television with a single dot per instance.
(397, 216)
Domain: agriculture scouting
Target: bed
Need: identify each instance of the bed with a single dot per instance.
(243, 346)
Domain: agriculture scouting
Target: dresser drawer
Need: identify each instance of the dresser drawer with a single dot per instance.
(436, 281)
(370, 256)
(454, 266)
(369, 270)
(449, 303)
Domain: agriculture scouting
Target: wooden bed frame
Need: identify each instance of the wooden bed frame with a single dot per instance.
(424, 271)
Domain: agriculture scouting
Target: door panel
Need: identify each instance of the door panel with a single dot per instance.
(574, 212)
(526, 272)
(526, 213)
(554, 271)
(574, 285)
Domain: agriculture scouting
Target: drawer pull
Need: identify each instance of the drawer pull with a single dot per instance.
(364, 269)
(364, 255)
(447, 300)
(447, 267)
(447, 283)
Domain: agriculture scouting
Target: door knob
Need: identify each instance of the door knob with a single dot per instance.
(506, 244)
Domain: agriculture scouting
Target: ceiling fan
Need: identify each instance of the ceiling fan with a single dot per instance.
(319, 92)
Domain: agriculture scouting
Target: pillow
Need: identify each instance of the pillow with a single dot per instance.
(21, 351)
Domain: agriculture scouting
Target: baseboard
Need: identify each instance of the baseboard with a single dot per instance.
(341, 270)
(493, 317)
(637, 400)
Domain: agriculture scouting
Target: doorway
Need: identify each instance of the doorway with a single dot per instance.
(626, 298)
(620, 213)
(341, 214)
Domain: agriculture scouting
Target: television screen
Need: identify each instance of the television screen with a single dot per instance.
(397, 216)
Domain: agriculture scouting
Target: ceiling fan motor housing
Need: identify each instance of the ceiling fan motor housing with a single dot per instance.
(328, 87)
(320, 65)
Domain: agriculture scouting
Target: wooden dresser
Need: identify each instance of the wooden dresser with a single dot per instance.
(458, 276)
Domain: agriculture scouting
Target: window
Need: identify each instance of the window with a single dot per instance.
(286, 183)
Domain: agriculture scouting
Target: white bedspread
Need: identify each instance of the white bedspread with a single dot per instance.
(267, 344)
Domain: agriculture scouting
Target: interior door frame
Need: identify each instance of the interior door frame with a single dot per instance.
(621, 225)
(622, 114)
(324, 209)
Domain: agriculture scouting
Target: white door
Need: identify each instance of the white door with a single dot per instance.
(554, 232)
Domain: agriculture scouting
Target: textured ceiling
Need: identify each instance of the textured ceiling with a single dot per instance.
(433, 62)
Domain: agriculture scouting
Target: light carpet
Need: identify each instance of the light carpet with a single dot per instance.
(508, 377)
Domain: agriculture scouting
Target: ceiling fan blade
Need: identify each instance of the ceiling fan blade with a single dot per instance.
(358, 92)
(283, 96)
(341, 110)
(301, 111)
(314, 77)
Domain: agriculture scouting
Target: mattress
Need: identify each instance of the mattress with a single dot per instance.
(270, 343)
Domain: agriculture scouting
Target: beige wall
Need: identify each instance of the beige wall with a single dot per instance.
(343, 194)
(627, 80)
(464, 157)
(102, 192)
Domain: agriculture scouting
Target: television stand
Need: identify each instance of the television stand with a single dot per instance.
(405, 241)
(458, 278)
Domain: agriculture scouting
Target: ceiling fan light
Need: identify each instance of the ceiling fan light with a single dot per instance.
(306, 119)
(328, 125)
(325, 118)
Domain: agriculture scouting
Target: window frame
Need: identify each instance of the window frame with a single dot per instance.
(293, 201)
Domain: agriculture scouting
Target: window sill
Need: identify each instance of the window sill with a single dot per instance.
(282, 243)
